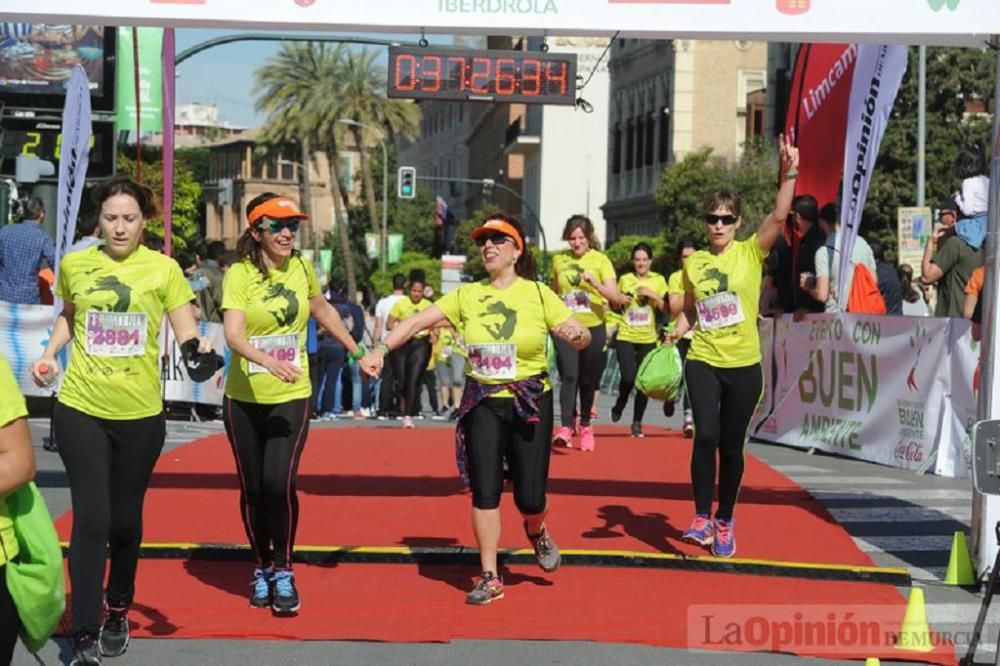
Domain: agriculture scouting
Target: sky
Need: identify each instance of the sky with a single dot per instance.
(224, 75)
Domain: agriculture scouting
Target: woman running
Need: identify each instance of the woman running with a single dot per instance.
(644, 294)
(585, 279)
(410, 361)
(723, 371)
(506, 410)
(109, 419)
(267, 298)
(675, 298)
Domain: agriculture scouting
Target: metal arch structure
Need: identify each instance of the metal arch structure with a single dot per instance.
(967, 23)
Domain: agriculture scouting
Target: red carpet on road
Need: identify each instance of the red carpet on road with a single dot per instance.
(389, 487)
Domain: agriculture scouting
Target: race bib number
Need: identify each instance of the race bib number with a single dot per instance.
(116, 333)
(719, 311)
(496, 361)
(280, 347)
(639, 317)
(577, 301)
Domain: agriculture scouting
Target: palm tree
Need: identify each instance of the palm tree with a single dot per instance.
(297, 91)
(362, 98)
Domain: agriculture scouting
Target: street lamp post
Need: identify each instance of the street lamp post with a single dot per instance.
(384, 243)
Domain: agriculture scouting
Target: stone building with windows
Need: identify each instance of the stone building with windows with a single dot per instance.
(667, 99)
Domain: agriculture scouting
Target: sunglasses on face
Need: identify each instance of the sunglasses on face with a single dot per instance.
(497, 239)
(712, 218)
(275, 226)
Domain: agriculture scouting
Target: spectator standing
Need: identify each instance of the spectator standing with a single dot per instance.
(827, 286)
(951, 266)
(386, 381)
(805, 211)
(354, 321)
(888, 281)
(25, 248)
(89, 231)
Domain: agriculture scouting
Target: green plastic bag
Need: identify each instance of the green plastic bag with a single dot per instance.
(660, 373)
(35, 576)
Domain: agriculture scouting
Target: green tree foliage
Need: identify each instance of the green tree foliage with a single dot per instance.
(954, 77)
(408, 262)
(186, 231)
(686, 185)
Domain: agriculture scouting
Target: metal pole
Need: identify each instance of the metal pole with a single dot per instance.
(921, 124)
(985, 514)
(385, 206)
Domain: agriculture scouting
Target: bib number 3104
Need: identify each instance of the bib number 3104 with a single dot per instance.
(279, 347)
(498, 361)
(718, 311)
(116, 333)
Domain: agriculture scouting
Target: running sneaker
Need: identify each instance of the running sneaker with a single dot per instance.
(637, 430)
(408, 422)
(86, 649)
(438, 416)
(688, 426)
(286, 597)
(593, 413)
(114, 632)
(454, 415)
(329, 416)
(546, 550)
(359, 414)
(725, 543)
(587, 438)
(487, 590)
(563, 437)
(616, 412)
(701, 531)
(260, 594)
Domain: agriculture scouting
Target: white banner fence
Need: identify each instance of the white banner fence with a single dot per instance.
(25, 330)
(892, 390)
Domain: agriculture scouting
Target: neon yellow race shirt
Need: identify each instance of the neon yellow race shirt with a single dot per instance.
(726, 290)
(114, 372)
(638, 322)
(406, 308)
(277, 313)
(12, 407)
(505, 330)
(584, 301)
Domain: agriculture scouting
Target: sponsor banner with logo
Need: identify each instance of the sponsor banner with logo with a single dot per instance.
(765, 327)
(945, 22)
(866, 387)
(26, 332)
(959, 414)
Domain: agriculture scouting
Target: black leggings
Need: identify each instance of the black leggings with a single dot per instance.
(630, 355)
(683, 345)
(408, 365)
(10, 623)
(109, 465)
(579, 370)
(267, 443)
(723, 401)
(493, 432)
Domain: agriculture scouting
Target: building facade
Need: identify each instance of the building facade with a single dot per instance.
(667, 99)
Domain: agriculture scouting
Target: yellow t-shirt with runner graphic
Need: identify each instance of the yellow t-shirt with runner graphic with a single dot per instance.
(726, 290)
(406, 308)
(505, 330)
(12, 407)
(584, 301)
(638, 322)
(277, 314)
(114, 372)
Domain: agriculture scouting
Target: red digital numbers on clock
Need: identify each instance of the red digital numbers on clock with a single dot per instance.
(468, 74)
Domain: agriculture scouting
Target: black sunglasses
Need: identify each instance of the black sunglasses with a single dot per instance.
(275, 226)
(497, 239)
(712, 218)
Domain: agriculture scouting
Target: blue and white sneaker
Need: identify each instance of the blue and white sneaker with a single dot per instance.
(260, 592)
(286, 597)
(701, 531)
(725, 541)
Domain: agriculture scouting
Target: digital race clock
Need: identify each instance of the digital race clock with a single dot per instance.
(525, 77)
(42, 138)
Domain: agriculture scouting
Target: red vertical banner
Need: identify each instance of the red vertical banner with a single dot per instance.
(817, 116)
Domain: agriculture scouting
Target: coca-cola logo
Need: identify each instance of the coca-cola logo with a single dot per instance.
(910, 451)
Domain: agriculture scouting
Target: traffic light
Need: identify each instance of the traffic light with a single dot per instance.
(407, 182)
